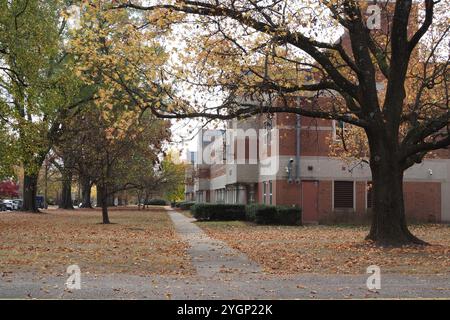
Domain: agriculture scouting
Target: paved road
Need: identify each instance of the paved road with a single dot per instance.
(224, 286)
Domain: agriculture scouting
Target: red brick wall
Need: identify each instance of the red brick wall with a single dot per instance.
(313, 142)
(325, 198)
(203, 173)
(259, 191)
(286, 193)
(422, 201)
(439, 154)
(360, 197)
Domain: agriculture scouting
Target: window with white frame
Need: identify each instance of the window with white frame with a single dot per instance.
(264, 192)
(270, 192)
(339, 129)
(268, 127)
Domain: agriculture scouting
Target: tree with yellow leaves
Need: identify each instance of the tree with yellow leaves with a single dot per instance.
(387, 76)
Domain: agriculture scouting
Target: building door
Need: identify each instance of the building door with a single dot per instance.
(310, 199)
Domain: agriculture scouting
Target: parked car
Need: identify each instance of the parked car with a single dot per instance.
(40, 203)
(2, 206)
(8, 204)
(17, 204)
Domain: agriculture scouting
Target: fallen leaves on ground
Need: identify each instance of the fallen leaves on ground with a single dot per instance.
(138, 242)
(333, 249)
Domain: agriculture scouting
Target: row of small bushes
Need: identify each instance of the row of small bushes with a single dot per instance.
(260, 214)
(265, 214)
(218, 212)
(156, 202)
(183, 205)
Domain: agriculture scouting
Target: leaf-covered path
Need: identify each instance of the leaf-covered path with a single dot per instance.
(210, 257)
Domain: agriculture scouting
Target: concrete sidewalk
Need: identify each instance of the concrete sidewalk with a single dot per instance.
(210, 257)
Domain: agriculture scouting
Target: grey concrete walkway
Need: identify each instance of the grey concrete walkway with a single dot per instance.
(210, 257)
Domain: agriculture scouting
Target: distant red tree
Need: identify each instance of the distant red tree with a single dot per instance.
(9, 189)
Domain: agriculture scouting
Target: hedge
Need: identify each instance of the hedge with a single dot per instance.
(289, 215)
(156, 202)
(265, 214)
(184, 205)
(261, 214)
(218, 212)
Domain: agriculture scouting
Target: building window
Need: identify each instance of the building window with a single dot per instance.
(369, 194)
(343, 194)
(268, 127)
(217, 195)
(264, 192)
(224, 146)
(270, 192)
(339, 129)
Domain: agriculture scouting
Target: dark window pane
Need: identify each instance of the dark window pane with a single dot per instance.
(343, 194)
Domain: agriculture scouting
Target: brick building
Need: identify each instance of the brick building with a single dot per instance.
(301, 171)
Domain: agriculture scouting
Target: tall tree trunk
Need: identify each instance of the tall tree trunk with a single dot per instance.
(105, 215)
(30, 192)
(146, 197)
(66, 194)
(99, 196)
(389, 226)
(104, 194)
(85, 192)
(139, 198)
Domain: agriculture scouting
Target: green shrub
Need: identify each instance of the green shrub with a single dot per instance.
(156, 202)
(265, 214)
(289, 215)
(185, 205)
(218, 211)
(260, 213)
(250, 212)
